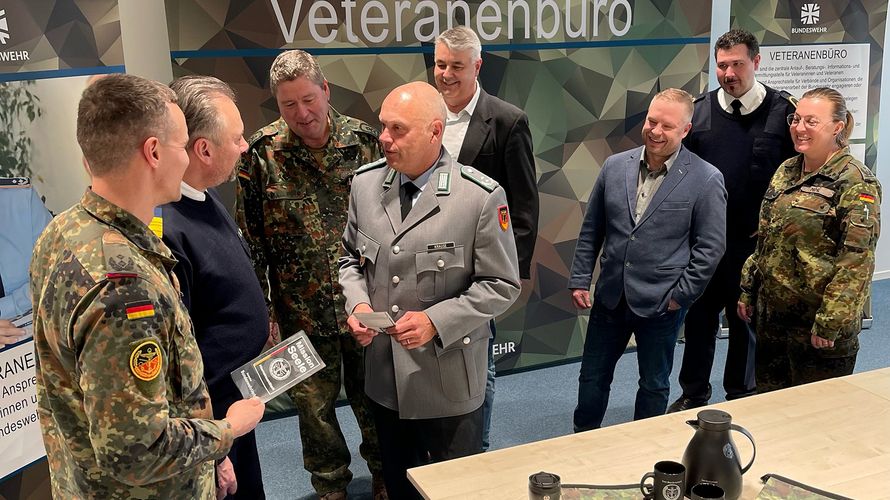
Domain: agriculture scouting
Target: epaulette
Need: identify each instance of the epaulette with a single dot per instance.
(15, 182)
(269, 130)
(867, 174)
(486, 182)
(371, 166)
(367, 129)
(118, 256)
(788, 97)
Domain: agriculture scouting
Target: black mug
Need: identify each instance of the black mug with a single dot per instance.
(707, 491)
(543, 486)
(668, 481)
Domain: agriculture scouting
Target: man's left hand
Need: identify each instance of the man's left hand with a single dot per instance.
(226, 483)
(821, 343)
(673, 305)
(413, 330)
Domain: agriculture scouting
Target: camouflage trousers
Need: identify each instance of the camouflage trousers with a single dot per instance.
(325, 454)
(785, 358)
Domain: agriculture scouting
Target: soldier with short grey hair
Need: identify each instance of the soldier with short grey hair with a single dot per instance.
(292, 197)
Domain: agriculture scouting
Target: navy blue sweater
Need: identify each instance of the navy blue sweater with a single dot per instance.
(747, 150)
(220, 290)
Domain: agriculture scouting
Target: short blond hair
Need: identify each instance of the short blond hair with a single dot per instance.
(679, 96)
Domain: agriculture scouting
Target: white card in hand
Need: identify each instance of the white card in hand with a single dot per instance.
(375, 320)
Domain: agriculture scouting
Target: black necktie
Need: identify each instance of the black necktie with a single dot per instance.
(406, 195)
(736, 107)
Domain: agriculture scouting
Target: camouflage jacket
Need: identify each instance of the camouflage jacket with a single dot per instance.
(293, 213)
(120, 391)
(816, 249)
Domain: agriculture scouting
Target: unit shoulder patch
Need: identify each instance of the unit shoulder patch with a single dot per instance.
(146, 360)
(484, 181)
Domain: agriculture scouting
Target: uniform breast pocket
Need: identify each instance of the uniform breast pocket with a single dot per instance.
(808, 215)
(289, 211)
(187, 368)
(438, 271)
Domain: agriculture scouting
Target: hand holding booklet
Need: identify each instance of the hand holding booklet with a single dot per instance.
(278, 369)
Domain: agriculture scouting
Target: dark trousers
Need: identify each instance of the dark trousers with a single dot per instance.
(702, 325)
(607, 337)
(244, 456)
(407, 443)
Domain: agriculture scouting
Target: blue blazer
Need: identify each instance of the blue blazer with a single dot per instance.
(671, 253)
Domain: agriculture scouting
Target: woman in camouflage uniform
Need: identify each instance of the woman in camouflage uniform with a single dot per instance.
(806, 284)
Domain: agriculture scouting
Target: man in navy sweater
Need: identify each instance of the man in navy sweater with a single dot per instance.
(219, 286)
(739, 128)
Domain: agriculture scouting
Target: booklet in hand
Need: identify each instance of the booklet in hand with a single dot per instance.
(278, 369)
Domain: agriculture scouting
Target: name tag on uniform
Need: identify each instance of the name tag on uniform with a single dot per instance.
(821, 191)
(440, 246)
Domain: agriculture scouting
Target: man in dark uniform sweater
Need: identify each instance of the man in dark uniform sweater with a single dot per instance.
(216, 276)
(740, 128)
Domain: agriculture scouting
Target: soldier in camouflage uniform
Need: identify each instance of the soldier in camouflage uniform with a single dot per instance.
(292, 202)
(121, 397)
(806, 284)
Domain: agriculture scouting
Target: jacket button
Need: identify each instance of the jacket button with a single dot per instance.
(396, 249)
(395, 280)
(440, 263)
(627, 264)
(364, 247)
(395, 309)
(633, 237)
(466, 340)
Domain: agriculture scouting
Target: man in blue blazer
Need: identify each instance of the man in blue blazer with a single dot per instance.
(658, 213)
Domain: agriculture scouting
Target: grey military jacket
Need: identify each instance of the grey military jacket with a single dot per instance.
(454, 258)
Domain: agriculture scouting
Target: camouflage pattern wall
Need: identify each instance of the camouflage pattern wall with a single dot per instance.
(585, 77)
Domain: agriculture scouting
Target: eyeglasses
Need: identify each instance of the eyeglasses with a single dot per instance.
(810, 122)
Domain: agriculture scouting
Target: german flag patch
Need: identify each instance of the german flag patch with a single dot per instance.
(866, 198)
(504, 217)
(139, 310)
(146, 360)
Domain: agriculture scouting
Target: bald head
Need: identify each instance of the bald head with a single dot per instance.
(413, 118)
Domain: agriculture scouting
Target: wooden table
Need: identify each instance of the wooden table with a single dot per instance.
(833, 435)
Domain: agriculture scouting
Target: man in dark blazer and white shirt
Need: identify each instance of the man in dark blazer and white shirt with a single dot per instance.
(427, 240)
(492, 136)
(658, 213)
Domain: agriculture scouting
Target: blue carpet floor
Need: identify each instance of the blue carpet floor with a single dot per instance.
(528, 407)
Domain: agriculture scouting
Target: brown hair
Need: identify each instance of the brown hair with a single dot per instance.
(839, 111)
(116, 115)
(735, 37)
(293, 64)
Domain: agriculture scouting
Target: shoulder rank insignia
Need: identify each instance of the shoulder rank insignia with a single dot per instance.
(484, 181)
(118, 257)
(504, 217)
(788, 97)
(146, 360)
(14, 182)
(371, 166)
